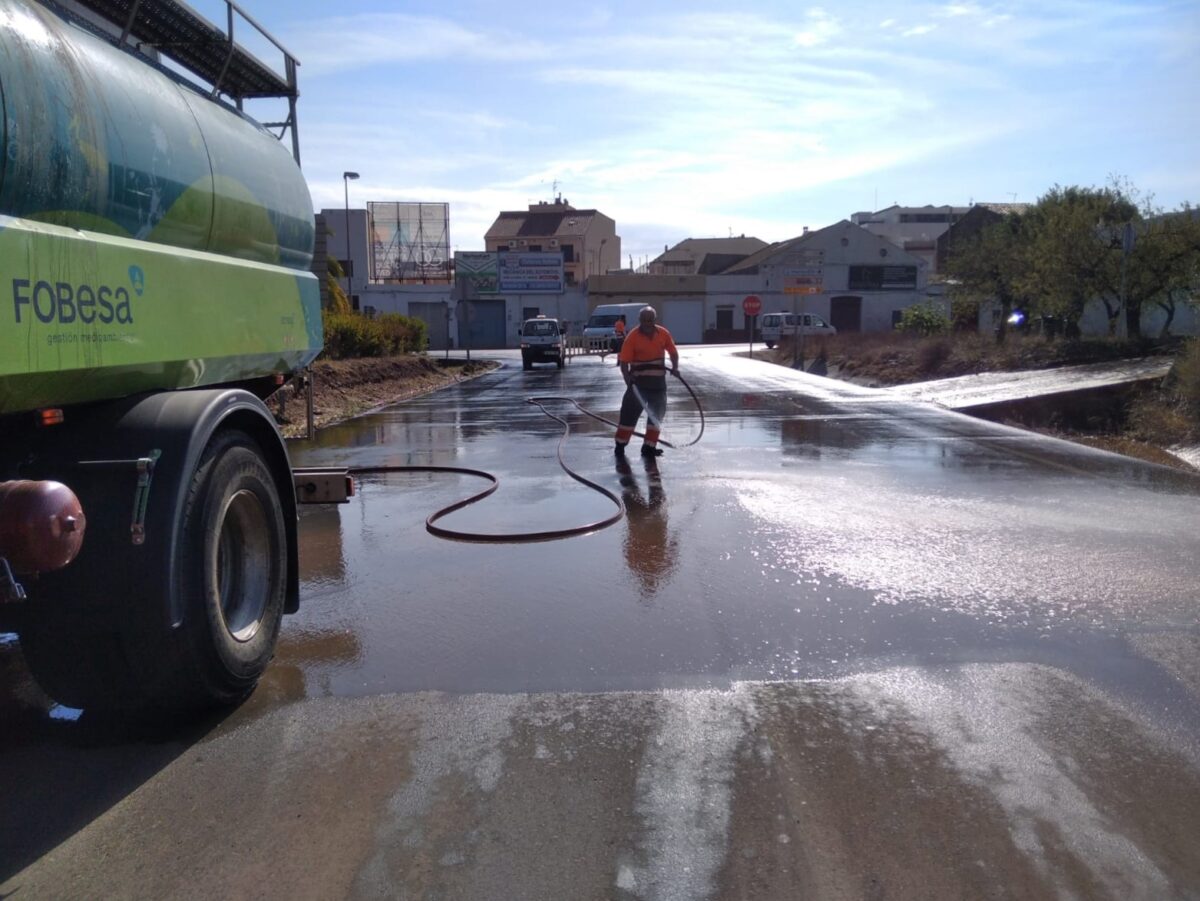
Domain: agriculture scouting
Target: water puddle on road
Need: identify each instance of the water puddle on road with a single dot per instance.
(803, 538)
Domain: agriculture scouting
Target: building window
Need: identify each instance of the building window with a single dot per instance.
(568, 252)
(347, 268)
(724, 318)
(927, 217)
(570, 277)
(535, 248)
(881, 278)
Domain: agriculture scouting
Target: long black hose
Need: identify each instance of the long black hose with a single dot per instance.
(524, 537)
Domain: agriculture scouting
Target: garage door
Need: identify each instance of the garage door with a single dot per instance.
(481, 324)
(684, 319)
(434, 317)
(845, 314)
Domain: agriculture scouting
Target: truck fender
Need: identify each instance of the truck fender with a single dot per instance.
(176, 426)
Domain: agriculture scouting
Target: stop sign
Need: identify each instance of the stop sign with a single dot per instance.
(751, 305)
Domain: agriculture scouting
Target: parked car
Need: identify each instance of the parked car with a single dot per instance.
(776, 326)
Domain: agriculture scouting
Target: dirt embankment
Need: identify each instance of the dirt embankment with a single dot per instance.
(346, 388)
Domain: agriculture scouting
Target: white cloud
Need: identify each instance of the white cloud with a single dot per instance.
(358, 42)
(961, 9)
(687, 123)
(820, 28)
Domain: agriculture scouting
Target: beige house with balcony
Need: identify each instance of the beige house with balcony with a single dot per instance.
(587, 239)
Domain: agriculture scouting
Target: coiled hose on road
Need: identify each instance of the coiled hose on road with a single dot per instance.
(551, 534)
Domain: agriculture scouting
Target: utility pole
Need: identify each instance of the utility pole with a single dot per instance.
(1126, 249)
(347, 177)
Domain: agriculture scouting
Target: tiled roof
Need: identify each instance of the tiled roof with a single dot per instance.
(696, 248)
(519, 223)
(750, 265)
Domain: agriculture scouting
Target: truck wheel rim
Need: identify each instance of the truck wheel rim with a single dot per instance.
(243, 566)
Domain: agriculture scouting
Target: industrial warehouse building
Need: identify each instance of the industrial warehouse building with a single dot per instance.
(864, 281)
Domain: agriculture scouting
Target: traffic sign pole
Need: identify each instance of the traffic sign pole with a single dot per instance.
(750, 307)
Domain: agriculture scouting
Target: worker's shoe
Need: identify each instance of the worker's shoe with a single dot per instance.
(619, 449)
(648, 451)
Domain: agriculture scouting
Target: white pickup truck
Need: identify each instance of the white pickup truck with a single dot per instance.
(787, 325)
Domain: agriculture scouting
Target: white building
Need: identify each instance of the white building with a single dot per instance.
(914, 229)
(861, 282)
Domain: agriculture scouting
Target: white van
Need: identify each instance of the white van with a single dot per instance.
(785, 325)
(604, 317)
(542, 342)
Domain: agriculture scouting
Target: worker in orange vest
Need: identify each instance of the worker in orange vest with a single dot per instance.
(618, 334)
(643, 368)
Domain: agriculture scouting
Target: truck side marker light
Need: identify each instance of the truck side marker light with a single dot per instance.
(49, 416)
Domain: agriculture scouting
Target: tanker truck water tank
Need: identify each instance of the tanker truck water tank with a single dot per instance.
(96, 139)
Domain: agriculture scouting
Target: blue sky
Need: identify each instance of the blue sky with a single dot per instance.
(687, 119)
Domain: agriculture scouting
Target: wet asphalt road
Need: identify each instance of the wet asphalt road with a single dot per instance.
(847, 646)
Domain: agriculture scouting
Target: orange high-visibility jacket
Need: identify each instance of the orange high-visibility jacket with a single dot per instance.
(642, 352)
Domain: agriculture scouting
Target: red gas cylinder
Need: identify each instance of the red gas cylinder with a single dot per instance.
(41, 525)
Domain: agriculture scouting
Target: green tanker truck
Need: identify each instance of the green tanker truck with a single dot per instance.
(155, 245)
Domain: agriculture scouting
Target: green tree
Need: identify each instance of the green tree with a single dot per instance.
(1070, 249)
(338, 301)
(989, 266)
(1163, 266)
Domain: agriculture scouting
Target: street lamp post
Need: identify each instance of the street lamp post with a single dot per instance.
(347, 177)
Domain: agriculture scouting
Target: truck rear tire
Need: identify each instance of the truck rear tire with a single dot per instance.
(230, 588)
(235, 569)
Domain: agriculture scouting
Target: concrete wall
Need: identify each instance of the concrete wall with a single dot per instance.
(1094, 322)
(1186, 321)
(570, 306)
(878, 307)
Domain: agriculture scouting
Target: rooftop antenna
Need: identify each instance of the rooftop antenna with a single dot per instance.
(554, 188)
(1013, 195)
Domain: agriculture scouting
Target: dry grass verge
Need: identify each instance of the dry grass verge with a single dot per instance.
(347, 388)
(894, 358)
